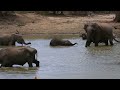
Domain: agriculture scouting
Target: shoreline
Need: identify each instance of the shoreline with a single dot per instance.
(31, 24)
(50, 36)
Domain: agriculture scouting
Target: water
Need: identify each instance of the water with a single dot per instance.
(75, 62)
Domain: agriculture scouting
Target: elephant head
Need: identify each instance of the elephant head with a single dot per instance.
(19, 39)
(33, 55)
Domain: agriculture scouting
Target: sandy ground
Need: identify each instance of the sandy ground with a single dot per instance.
(31, 23)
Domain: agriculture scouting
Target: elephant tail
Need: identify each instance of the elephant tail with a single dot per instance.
(74, 43)
(115, 39)
(27, 43)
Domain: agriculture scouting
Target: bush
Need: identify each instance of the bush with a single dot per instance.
(6, 13)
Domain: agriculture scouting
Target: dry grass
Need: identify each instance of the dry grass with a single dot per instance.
(30, 23)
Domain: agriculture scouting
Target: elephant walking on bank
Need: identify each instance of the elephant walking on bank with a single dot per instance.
(10, 39)
(60, 42)
(18, 56)
(99, 32)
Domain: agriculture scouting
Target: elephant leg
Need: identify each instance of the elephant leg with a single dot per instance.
(30, 64)
(96, 44)
(2, 65)
(96, 40)
(5, 63)
(88, 43)
(111, 42)
(106, 42)
(36, 62)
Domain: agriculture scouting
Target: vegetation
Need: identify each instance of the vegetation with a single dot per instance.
(117, 18)
(65, 13)
(6, 13)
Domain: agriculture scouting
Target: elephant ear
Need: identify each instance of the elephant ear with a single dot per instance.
(96, 27)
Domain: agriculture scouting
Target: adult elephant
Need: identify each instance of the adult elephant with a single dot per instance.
(60, 42)
(99, 32)
(10, 39)
(18, 56)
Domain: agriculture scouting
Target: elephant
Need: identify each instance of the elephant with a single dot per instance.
(84, 36)
(60, 42)
(99, 33)
(18, 56)
(10, 39)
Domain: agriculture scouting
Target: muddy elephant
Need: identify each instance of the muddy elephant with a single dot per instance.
(99, 33)
(10, 39)
(60, 42)
(18, 56)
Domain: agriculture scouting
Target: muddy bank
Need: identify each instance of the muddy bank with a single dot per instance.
(35, 24)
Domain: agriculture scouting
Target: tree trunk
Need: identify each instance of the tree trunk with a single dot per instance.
(117, 17)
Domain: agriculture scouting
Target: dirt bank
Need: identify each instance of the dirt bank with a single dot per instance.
(31, 23)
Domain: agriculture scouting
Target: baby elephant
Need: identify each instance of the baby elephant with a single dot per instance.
(18, 56)
(60, 42)
(84, 36)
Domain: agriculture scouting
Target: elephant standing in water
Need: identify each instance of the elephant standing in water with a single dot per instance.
(18, 56)
(99, 32)
(60, 42)
(10, 39)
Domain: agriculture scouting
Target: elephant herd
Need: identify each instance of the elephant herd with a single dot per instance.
(19, 55)
(94, 33)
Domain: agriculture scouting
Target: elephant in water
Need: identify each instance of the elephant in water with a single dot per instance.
(99, 33)
(60, 42)
(84, 36)
(18, 56)
(10, 39)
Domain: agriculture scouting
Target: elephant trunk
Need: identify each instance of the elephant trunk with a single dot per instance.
(116, 40)
(21, 41)
(36, 61)
(75, 43)
(27, 43)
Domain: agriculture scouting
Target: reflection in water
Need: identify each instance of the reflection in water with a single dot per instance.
(18, 72)
(69, 62)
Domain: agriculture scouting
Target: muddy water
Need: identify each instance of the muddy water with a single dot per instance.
(76, 62)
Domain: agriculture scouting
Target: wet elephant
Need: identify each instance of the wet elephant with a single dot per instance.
(99, 32)
(60, 42)
(18, 56)
(10, 39)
